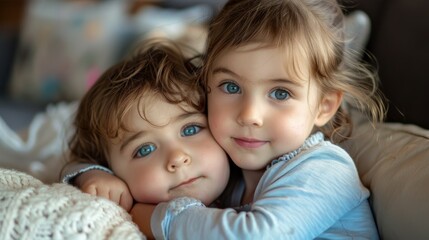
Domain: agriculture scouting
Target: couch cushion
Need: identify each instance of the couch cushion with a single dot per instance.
(393, 162)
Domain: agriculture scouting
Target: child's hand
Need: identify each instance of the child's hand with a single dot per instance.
(99, 183)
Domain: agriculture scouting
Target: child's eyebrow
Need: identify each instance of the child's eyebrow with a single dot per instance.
(287, 81)
(275, 80)
(130, 139)
(186, 115)
(224, 70)
(138, 134)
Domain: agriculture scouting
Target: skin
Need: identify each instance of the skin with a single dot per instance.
(102, 184)
(169, 154)
(258, 111)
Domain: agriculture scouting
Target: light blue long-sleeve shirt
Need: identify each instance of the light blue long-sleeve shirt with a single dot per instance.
(313, 192)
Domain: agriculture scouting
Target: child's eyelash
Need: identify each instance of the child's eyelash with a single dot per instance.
(137, 149)
(194, 124)
(226, 82)
(199, 125)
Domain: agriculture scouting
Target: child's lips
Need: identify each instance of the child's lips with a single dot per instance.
(249, 142)
(187, 182)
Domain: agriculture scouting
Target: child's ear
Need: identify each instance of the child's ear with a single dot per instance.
(328, 107)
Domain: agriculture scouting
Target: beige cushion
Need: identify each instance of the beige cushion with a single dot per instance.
(393, 162)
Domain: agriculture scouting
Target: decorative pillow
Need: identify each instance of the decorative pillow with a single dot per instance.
(393, 162)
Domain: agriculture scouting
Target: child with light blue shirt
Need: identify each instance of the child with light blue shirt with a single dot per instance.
(277, 75)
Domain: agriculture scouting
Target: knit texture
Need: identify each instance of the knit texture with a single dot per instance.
(30, 209)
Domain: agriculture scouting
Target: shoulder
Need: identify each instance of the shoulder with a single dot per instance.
(325, 165)
(328, 159)
(327, 152)
(324, 153)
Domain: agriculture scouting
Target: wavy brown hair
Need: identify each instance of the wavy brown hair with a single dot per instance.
(156, 67)
(309, 29)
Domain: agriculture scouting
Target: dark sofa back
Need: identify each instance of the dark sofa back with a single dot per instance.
(400, 42)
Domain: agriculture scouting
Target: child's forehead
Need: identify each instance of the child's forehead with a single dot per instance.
(291, 59)
(157, 109)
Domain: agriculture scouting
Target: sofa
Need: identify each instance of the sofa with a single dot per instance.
(393, 158)
(393, 163)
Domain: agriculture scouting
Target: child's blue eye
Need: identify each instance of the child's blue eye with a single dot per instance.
(230, 88)
(145, 150)
(279, 94)
(190, 130)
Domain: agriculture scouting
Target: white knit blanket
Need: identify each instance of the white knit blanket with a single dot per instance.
(30, 209)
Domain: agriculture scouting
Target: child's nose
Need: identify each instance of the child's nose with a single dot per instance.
(250, 113)
(177, 159)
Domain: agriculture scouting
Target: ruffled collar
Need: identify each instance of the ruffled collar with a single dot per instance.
(311, 141)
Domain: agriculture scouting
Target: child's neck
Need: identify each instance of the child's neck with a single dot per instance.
(251, 180)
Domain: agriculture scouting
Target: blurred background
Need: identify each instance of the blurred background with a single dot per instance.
(53, 50)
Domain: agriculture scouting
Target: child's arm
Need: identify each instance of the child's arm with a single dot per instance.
(98, 181)
(300, 200)
(141, 214)
(73, 169)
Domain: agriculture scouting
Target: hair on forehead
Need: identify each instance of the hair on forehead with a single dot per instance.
(305, 28)
(155, 68)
